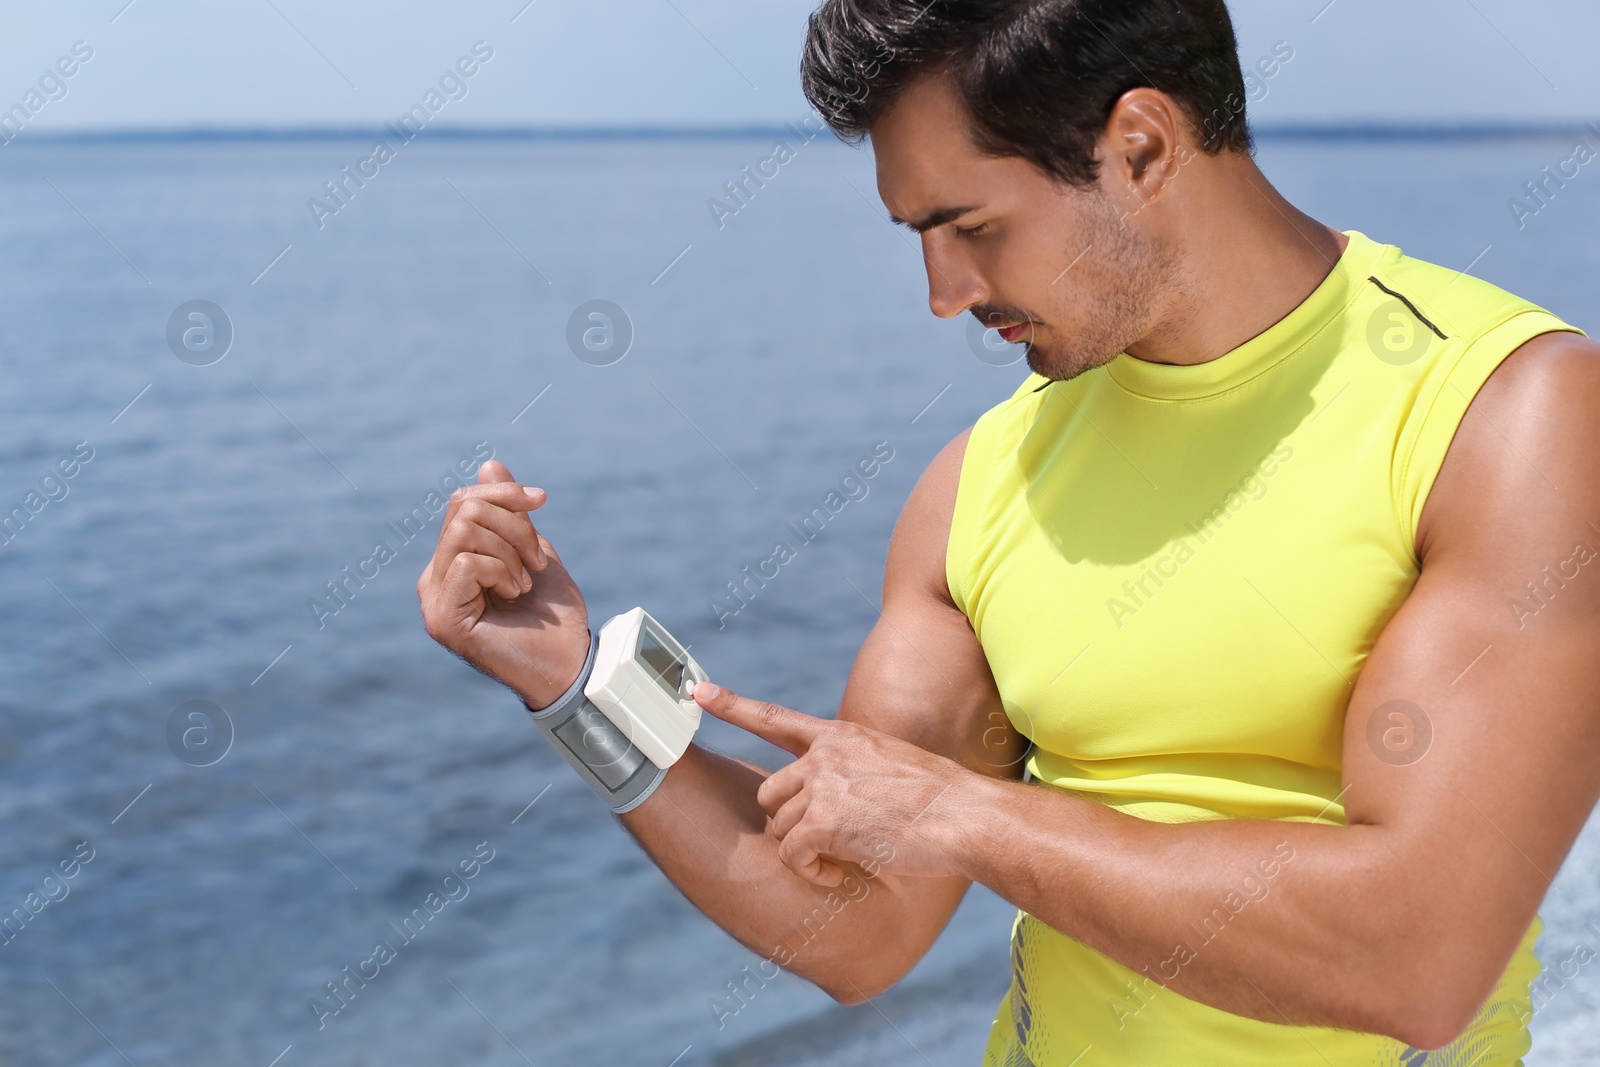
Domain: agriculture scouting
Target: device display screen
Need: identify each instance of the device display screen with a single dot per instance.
(662, 661)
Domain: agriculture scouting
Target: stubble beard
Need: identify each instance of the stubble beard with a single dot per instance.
(1112, 291)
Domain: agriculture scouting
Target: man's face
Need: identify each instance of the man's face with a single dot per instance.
(1058, 265)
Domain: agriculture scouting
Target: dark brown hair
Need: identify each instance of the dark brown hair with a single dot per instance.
(1039, 77)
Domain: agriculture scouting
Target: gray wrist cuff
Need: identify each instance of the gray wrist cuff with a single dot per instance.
(613, 767)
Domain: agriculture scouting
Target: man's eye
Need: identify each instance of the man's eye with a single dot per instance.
(972, 231)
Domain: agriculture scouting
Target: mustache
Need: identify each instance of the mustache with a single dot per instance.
(991, 316)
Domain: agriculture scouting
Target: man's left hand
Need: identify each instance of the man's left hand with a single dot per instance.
(854, 795)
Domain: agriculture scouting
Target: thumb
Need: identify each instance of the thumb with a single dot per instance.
(791, 730)
(493, 471)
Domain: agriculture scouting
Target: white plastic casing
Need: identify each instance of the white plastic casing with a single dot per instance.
(657, 717)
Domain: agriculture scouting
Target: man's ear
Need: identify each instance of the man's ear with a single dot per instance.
(1143, 145)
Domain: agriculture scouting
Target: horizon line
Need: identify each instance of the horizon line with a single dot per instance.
(1347, 130)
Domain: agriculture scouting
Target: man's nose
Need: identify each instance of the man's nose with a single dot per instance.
(953, 284)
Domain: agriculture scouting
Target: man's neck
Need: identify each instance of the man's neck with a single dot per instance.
(1242, 270)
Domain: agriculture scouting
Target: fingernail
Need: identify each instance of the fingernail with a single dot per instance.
(713, 691)
(527, 580)
(532, 490)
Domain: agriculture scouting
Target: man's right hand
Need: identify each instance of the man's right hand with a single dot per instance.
(496, 594)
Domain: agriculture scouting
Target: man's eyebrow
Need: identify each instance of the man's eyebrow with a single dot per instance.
(937, 218)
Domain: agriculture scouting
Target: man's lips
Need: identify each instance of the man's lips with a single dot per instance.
(1013, 334)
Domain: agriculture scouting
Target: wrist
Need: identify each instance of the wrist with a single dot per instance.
(602, 754)
(625, 715)
(977, 809)
(567, 672)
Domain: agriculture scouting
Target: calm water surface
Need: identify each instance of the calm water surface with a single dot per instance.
(368, 357)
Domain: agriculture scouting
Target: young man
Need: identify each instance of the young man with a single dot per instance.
(1248, 648)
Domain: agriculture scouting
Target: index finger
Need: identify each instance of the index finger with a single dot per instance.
(793, 731)
(508, 495)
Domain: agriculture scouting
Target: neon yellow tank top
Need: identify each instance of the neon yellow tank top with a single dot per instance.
(1176, 573)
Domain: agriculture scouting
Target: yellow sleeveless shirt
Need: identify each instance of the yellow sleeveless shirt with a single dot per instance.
(1176, 574)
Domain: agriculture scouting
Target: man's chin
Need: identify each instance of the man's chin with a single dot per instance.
(1040, 363)
(1048, 364)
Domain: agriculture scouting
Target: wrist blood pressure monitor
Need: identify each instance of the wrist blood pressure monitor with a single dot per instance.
(629, 715)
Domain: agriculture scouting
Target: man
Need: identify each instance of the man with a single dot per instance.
(1248, 648)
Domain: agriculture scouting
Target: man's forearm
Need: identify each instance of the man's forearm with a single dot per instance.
(1280, 921)
(705, 830)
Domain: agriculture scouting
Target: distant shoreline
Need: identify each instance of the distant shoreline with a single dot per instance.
(1342, 131)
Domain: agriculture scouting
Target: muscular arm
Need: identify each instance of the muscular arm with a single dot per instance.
(920, 676)
(1400, 922)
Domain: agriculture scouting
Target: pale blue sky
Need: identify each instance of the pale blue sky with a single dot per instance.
(180, 63)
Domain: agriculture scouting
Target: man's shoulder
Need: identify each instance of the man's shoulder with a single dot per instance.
(1551, 378)
(919, 545)
(1452, 302)
(938, 512)
(1532, 425)
(1552, 361)
(1010, 416)
(1017, 407)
